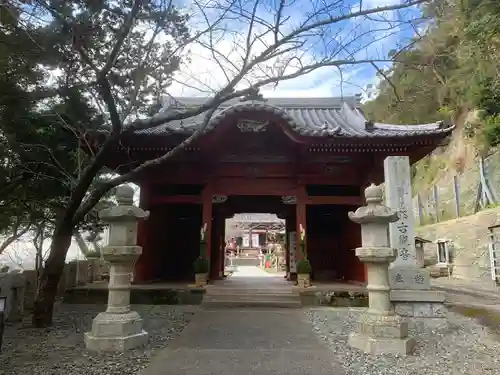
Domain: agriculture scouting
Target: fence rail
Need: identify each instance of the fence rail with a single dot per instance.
(460, 194)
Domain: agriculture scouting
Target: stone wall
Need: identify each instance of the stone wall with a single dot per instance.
(20, 287)
(469, 237)
(12, 285)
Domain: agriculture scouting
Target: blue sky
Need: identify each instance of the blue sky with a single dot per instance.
(358, 39)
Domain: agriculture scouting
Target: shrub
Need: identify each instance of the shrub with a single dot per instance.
(303, 266)
(200, 265)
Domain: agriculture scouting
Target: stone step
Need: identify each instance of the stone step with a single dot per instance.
(250, 303)
(240, 298)
(257, 297)
(244, 291)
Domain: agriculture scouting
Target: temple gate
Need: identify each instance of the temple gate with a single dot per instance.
(306, 160)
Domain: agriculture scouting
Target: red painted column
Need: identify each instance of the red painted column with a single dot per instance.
(207, 222)
(289, 227)
(222, 245)
(214, 248)
(217, 252)
(301, 221)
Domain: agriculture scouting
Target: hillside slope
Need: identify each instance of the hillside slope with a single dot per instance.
(451, 73)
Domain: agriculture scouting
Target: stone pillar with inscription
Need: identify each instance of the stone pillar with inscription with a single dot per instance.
(379, 330)
(410, 284)
(119, 328)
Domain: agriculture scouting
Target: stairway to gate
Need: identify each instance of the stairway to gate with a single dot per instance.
(251, 287)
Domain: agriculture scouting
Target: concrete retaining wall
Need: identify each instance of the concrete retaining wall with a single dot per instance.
(469, 237)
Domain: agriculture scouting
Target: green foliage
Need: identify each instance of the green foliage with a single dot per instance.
(49, 94)
(453, 66)
(200, 265)
(304, 266)
(428, 171)
(492, 129)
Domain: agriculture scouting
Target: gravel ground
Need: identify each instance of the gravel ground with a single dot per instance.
(459, 346)
(60, 349)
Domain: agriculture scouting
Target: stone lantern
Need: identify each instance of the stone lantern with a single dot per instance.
(379, 330)
(119, 328)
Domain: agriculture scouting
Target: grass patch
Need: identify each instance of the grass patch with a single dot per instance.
(428, 170)
(487, 318)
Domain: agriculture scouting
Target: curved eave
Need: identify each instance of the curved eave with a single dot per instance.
(307, 136)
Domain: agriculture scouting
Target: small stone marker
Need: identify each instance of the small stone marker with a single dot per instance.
(406, 277)
(380, 330)
(119, 328)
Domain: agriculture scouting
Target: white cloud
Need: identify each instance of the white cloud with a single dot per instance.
(204, 74)
(21, 254)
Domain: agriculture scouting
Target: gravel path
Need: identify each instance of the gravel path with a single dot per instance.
(460, 347)
(60, 349)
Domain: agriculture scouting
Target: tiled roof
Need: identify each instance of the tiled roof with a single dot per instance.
(256, 218)
(317, 117)
(236, 225)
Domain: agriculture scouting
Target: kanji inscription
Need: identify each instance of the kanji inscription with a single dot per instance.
(419, 279)
(398, 278)
(398, 197)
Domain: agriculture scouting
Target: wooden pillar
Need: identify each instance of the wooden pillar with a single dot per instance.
(222, 246)
(144, 266)
(301, 221)
(207, 221)
(217, 239)
(289, 225)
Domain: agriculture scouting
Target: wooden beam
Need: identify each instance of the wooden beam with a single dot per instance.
(194, 199)
(258, 169)
(254, 186)
(349, 201)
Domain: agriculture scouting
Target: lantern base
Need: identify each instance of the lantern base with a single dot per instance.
(382, 334)
(116, 332)
(379, 345)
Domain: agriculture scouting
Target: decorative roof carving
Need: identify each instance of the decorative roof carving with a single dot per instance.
(217, 199)
(252, 126)
(253, 94)
(289, 199)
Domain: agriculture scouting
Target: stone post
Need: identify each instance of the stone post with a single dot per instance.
(119, 328)
(410, 284)
(379, 330)
(13, 286)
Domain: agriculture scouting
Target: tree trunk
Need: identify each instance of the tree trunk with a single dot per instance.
(51, 274)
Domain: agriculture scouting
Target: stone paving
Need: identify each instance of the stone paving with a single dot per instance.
(247, 341)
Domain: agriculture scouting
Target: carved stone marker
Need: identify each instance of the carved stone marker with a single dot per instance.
(119, 328)
(379, 330)
(410, 284)
(405, 272)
